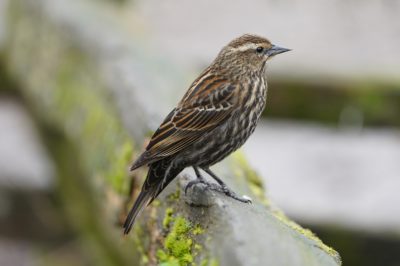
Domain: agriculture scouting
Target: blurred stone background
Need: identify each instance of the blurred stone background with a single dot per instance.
(329, 146)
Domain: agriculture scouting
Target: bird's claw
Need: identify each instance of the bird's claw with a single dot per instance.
(229, 193)
(249, 200)
(194, 182)
(219, 188)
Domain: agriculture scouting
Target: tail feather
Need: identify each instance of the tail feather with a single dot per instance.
(144, 198)
(160, 174)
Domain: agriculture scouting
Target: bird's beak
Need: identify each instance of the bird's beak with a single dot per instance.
(274, 50)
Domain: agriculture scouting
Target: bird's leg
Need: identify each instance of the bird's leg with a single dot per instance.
(199, 179)
(223, 188)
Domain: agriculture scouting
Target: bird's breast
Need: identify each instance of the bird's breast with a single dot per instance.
(247, 116)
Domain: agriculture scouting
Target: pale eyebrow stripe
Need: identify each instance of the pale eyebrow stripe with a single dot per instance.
(245, 47)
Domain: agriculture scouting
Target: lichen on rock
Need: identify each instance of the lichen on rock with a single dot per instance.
(179, 246)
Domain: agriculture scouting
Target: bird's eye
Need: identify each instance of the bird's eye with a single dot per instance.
(259, 49)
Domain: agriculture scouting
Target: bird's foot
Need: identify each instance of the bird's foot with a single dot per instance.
(220, 187)
(195, 182)
(200, 180)
(229, 193)
(223, 188)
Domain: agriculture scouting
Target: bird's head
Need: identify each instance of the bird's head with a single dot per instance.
(248, 52)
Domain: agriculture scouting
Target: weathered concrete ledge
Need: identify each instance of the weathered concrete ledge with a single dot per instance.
(89, 79)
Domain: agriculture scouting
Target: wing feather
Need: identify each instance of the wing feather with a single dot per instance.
(200, 111)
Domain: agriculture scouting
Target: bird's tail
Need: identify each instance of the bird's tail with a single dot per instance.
(160, 174)
(144, 198)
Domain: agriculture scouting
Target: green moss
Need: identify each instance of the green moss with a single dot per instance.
(179, 244)
(242, 168)
(208, 262)
(117, 172)
(156, 203)
(214, 262)
(204, 262)
(162, 255)
(308, 234)
(175, 196)
(197, 247)
(197, 230)
(171, 262)
(88, 116)
(145, 259)
(168, 217)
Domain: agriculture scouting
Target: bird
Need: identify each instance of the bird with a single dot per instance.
(215, 117)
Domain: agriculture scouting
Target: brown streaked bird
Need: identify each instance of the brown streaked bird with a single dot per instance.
(215, 117)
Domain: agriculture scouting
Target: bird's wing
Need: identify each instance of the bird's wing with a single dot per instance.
(208, 103)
